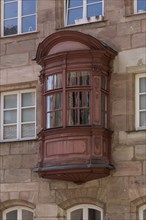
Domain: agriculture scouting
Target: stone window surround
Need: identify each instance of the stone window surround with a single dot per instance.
(132, 72)
(15, 202)
(136, 205)
(131, 7)
(18, 108)
(137, 94)
(141, 210)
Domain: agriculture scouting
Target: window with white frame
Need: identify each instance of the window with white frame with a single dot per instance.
(18, 115)
(88, 212)
(141, 101)
(18, 16)
(18, 213)
(142, 212)
(82, 11)
(140, 6)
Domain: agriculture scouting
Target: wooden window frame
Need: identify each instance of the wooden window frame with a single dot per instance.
(65, 90)
(19, 18)
(19, 211)
(18, 108)
(84, 19)
(137, 95)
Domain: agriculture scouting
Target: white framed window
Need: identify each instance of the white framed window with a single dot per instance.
(139, 6)
(88, 212)
(140, 101)
(18, 213)
(18, 16)
(142, 212)
(83, 11)
(18, 115)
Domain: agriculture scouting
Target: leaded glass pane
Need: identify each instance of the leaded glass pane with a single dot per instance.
(73, 117)
(73, 99)
(27, 215)
(50, 83)
(10, 101)
(142, 119)
(142, 85)
(103, 82)
(28, 99)
(94, 10)
(57, 81)
(77, 214)
(84, 117)
(29, 24)
(10, 132)
(84, 99)
(10, 116)
(142, 102)
(11, 215)
(54, 102)
(78, 79)
(54, 82)
(94, 214)
(104, 110)
(10, 27)
(28, 130)
(54, 119)
(28, 115)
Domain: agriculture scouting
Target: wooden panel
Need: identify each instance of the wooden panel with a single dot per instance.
(61, 147)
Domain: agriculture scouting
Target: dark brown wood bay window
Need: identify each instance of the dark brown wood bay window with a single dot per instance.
(75, 139)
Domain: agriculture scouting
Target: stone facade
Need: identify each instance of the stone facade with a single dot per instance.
(124, 191)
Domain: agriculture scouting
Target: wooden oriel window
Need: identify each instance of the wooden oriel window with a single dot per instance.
(68, 99)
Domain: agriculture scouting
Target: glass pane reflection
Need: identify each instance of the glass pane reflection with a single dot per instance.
(28, 24)
(10, 27)
(94, 10)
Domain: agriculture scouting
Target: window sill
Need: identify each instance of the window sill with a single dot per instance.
(138, 130)
(17, 35)
(100, 23)
(18, 140)
(136, 14)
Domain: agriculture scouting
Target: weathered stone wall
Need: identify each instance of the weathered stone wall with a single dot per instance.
(125, 189)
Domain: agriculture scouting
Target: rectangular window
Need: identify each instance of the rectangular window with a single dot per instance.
(140, 6)
(18, 16)
(83, 11)
(18, 115)
(141, 101)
